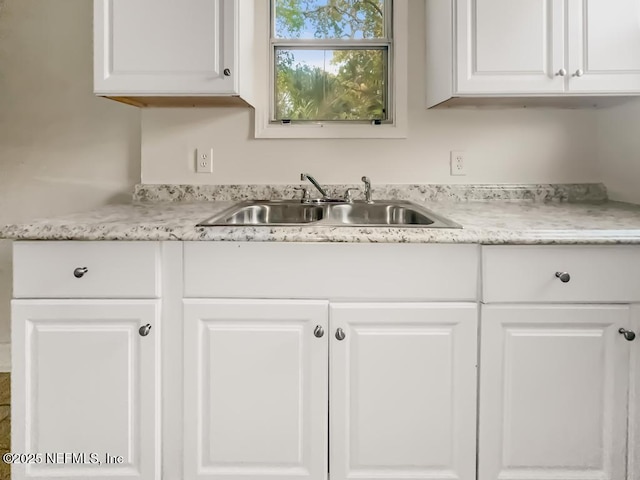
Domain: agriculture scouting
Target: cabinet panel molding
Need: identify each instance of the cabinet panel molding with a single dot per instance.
(634, 399)
(572, 53)
(403, 391)
(553, 392)
(256, 389)
(175, 54)
(604, 46)
(85, 382)
(525, 63)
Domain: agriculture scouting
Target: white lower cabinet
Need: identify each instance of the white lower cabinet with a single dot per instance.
(402, 378)
(255, 389)
(403, 391)
(554, 392)
(84, 392)
(348, 381)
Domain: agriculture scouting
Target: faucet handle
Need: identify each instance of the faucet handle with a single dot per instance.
(367, 189)
(347, 194)
(306, 196)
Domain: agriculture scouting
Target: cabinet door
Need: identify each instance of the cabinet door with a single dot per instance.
(403, 391)
(84, 383)
(634, 398)
(510, 47)
(164, 47)
(255, 389)
(604, 45)
(553, 392)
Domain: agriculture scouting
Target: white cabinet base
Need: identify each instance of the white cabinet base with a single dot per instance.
(403, 391)
(553, 392)
(255, 390)
(85, 382)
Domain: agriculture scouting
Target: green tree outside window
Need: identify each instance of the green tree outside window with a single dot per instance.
(345, 76)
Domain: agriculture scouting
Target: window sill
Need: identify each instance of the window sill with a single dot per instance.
(269, 130)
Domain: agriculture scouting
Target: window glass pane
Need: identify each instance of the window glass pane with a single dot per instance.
(329, 19)
(329, 85)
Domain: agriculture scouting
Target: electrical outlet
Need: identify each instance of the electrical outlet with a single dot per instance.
(204, 160)
(457, 163)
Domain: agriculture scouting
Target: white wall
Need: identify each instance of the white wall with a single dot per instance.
(508, 145)
(619, 151)
(61, 149)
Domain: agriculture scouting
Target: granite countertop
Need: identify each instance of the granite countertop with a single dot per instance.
(491, 221)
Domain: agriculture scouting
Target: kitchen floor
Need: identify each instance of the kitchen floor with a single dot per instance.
(5, 422)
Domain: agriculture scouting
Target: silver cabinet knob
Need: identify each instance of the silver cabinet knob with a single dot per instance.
(227, 72)
(144, 330)
(318, 331)
(80, 271)
(628, 334)
(563, 276)
(579, 73)
(340, 334)
(561, 73)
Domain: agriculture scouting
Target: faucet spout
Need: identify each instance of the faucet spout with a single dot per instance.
(306, 176)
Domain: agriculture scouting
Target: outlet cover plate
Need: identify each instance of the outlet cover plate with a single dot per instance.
(204, 160)
(457, 163)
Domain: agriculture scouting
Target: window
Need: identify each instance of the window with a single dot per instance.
(331, 62)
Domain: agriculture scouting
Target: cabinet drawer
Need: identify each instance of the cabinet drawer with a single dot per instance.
(113, 270)
(331, 271)
(597, 274)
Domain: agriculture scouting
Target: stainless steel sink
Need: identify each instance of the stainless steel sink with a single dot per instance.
(272, 214)
(377, 214)
(381, 213)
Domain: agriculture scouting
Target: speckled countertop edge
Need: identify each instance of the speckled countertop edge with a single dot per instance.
(484, 222)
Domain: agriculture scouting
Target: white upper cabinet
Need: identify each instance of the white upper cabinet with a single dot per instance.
(531, 48)
(506, 46)
(604, 46)
(149, 51)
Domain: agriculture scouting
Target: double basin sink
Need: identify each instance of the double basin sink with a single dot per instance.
(381, 213)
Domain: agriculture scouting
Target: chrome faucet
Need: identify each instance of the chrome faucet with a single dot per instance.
(306, 176)
(367, 189)
(347, 194)
(306, 197)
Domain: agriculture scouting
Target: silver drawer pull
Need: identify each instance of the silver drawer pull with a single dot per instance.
(628, 334)
(80, 271)
(563, 276)
(144, 330)
(340, 334)
(318, 331)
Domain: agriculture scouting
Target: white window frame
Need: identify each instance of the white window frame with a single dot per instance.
(397, 94)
